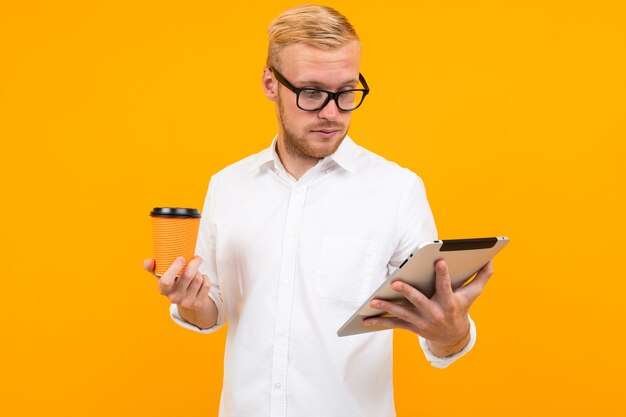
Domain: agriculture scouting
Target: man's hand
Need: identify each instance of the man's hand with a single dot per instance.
(443, 319)
(189, 291)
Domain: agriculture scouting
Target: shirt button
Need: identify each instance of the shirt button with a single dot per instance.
(285, 282)
(280, 332)
(277, 385)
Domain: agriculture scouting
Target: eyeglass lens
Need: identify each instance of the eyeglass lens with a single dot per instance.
(314, 99)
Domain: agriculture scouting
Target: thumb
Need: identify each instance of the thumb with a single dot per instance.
(148, 265)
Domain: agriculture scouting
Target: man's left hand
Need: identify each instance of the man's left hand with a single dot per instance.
(443, 319)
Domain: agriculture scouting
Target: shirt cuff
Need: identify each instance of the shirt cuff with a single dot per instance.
(439, 362)
(178, 319)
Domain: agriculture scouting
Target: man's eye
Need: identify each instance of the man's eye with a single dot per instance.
(348, 95)
(312, 94)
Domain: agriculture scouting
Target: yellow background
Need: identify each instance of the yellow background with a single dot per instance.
(512, 112)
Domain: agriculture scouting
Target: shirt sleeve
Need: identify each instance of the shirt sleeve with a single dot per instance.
(439, 362)
(415, 222)
(415, 225)
(178, 319)
(205, 248)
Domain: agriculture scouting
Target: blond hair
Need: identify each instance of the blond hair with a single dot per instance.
(319, 26)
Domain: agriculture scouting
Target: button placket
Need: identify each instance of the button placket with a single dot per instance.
(285, 301)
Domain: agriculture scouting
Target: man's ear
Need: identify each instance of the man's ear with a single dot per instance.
(270, 86)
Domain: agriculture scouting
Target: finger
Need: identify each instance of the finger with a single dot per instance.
(400, 311)
(167, 280)
(472, 290)
(192, 266)
(415, 297)
(192, 291)
(389, 323)
(205, 287)
(148, 265)
(195, 285)
(189, 273)
(443, 283)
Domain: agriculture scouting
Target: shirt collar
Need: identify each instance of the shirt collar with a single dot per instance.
(344, 156)
(264, 157)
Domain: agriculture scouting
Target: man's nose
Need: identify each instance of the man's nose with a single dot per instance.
(330, 111)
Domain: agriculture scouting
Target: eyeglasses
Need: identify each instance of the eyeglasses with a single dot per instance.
(314, 99)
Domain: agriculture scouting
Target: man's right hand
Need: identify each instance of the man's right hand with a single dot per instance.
(189, 291)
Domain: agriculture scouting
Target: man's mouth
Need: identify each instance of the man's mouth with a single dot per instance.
(325, 133)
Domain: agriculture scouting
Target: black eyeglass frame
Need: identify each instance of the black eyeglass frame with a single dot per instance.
(331, 95)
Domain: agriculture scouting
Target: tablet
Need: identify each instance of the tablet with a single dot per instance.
(463, 256)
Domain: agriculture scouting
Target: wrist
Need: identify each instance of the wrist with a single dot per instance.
(443, 350)
(203, 318)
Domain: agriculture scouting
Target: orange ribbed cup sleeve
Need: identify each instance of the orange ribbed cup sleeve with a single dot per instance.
(173, 237)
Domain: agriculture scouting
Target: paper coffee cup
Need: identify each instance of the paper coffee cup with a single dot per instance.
(174, 233)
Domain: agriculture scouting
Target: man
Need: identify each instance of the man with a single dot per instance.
(295, 237)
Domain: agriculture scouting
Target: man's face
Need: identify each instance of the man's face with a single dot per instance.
(314, 134)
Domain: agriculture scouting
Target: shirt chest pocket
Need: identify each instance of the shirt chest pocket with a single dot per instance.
(346, 269)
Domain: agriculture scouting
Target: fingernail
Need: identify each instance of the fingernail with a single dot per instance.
(180, 260)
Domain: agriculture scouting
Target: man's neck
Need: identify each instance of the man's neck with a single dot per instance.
(295, 165)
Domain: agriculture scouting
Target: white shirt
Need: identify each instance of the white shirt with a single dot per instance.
(289, 261)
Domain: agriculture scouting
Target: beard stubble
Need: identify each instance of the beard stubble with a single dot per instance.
(298, 146)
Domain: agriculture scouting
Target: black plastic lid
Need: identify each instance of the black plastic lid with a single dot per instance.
(175, 212)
